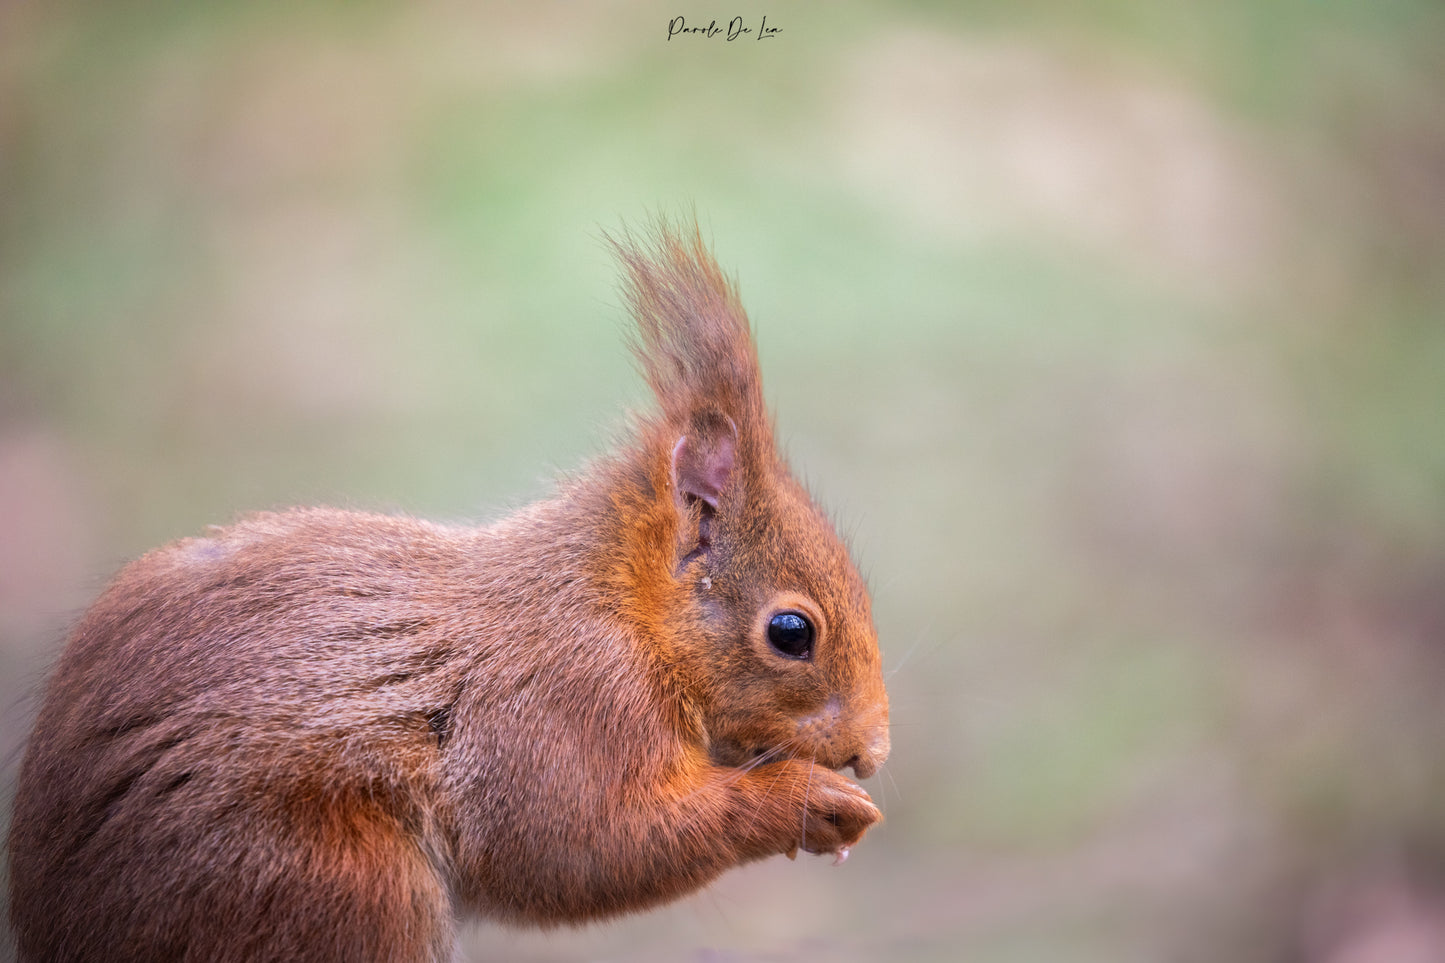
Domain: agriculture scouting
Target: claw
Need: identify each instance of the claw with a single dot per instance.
(841, 856)
(792, 852)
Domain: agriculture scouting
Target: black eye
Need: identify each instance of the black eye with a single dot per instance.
(791, 634)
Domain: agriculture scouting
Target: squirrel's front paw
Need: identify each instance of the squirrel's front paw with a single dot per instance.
(836, 814)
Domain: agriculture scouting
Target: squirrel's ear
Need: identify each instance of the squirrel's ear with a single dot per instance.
(702, 459)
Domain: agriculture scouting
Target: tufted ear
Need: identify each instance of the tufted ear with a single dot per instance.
(702, 460)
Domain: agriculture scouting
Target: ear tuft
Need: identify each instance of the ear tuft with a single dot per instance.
(692, 338)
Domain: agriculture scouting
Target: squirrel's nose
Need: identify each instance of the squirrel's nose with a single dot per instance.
(866, 763)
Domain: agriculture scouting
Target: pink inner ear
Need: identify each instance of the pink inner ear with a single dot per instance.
(702, 468)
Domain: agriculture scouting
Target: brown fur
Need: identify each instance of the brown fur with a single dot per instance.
(320, 735)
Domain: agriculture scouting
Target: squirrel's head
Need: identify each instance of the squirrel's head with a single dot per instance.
(759, 610)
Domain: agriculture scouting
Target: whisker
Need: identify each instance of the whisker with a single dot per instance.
(807, 788)
(771, 786)
(735, 773)
(762, 758)
(767, 755)
(923, 635)
(884, 770)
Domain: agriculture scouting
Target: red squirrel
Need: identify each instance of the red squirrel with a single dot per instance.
(324, 735)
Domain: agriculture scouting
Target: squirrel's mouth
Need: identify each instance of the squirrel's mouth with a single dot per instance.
(737, 755)
(733, 754)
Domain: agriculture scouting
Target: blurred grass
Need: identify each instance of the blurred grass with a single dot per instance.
(1112, 332)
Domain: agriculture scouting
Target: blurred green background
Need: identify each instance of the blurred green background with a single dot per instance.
(1112, 332)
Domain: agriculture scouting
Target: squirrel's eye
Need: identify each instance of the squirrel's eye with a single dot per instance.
(791, 634)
